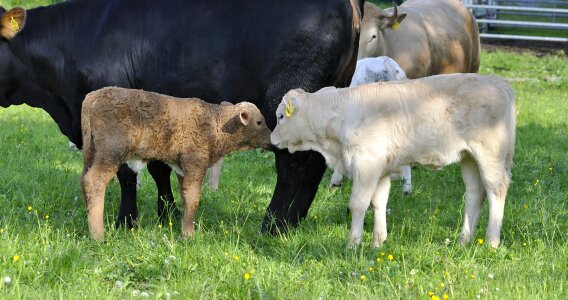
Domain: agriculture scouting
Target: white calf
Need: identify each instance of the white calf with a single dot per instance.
(368, 131)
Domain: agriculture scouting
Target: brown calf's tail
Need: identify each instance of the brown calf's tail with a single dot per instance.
(86, 130)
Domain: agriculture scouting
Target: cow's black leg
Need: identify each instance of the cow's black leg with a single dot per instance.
(166, 205)
(299, 175)
(128, 210)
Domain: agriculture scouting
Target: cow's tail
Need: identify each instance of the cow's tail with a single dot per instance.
(475, 44)
(512, 124)
(349, 61)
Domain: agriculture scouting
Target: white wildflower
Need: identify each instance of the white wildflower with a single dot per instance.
(7, 280)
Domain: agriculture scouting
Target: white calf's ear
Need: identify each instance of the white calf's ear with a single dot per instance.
(244, 118)
(12, 22)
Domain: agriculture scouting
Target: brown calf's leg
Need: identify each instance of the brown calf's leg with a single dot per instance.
(94, 182)
(190, 191)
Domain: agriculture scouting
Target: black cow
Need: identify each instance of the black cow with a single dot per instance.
(217, 50)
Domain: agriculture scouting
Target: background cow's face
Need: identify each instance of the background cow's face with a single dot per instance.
(11, 23)
(292, 130)
(374, 22)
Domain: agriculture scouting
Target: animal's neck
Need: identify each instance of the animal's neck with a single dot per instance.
(226, 139)
(326, 108)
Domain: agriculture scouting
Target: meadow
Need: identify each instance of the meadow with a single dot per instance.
(45, 251)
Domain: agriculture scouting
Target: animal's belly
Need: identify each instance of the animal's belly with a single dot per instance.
(137, 164)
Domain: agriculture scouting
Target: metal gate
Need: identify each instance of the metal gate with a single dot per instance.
(549, 14)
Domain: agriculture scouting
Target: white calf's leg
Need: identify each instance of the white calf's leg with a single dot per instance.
(365, 179)
(473, 200)
(215, 174)
(404, 173)
(336, 179)
(379, 204)
(407, 177)
(496, 180)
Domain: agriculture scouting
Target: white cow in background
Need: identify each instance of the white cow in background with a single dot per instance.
(370, 70)
(368, 131)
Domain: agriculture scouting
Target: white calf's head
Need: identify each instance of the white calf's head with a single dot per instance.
(292, 130)
(375, 69)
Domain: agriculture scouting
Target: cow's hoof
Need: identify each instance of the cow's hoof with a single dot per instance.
(273, 227)
(127, 222)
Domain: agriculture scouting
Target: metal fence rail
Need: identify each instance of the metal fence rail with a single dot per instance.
(487, 12)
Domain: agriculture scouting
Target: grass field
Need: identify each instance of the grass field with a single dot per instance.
(46, 253)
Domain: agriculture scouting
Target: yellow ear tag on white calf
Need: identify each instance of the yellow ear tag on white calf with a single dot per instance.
(289, 108)
(395, 26)
(14, 25)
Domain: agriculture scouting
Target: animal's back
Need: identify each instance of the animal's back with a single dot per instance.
(446, 34)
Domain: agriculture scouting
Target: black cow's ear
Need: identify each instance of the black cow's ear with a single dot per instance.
(12, 22)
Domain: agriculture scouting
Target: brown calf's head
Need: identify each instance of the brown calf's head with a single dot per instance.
(254, 132)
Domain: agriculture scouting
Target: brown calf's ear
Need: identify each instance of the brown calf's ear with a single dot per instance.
(12, 22)
(244, 118)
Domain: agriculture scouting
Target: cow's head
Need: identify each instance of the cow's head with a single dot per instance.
(375, 21)
(254, 133)
(11, 24)
(292, 130)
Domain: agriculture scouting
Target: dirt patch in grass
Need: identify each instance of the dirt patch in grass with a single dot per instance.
(537, 48)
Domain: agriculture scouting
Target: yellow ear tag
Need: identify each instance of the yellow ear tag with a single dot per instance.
(289, 108)
(395, 26)
(14, 25)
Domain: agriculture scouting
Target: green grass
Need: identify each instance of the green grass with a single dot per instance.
(58, 260)
(26, 3)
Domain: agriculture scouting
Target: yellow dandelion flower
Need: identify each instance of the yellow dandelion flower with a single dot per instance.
(47, 217)
(379, 259)
(371, 269)
(235, 258)
(480, 242)
(446, 274)
(246, 276)
(472, 276)
(160, 226)
(382, 254)
(363, 277)
(445, 296)
(390, 257)
(226, 232)
(1, 230)
(442, 285)
(434, 297)
(524, 244)
(430, 294)
(30, 208)
(525, 206)
(16, 258)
